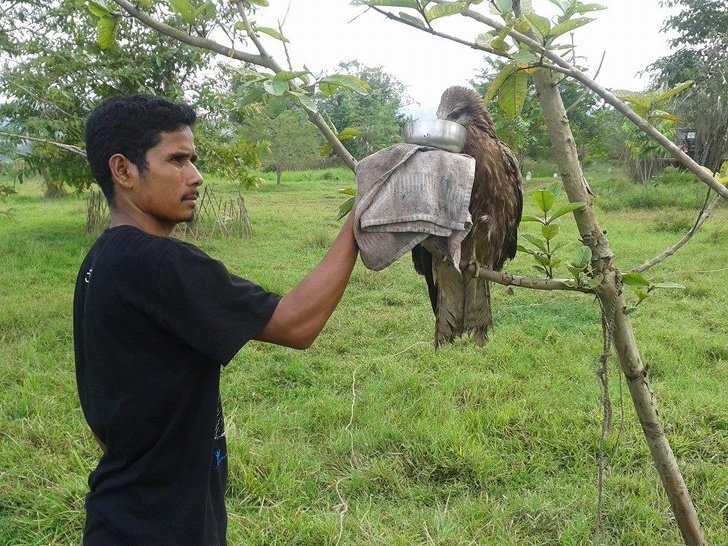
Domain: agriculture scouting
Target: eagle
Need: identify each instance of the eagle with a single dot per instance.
(461, 301)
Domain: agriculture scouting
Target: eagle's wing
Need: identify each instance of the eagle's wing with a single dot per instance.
(514, 176)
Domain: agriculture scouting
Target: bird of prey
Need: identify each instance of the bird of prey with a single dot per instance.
(461, 301)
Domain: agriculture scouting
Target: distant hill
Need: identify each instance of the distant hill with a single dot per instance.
(420, 113)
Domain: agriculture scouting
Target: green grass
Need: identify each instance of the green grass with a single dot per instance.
(456, 446)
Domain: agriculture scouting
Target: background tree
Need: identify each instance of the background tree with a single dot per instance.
(595, 124)
(701, 55)
(54, 71)
(293, 143)
(375, 115)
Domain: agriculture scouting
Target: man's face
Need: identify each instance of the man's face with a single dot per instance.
(167, 190)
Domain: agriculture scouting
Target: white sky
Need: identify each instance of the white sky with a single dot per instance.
(322, 34)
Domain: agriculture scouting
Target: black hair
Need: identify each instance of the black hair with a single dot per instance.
(130, 125)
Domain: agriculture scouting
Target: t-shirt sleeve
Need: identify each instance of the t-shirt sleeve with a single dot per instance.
(207, 307)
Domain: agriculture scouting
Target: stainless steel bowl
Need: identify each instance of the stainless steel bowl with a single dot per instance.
(438, 133)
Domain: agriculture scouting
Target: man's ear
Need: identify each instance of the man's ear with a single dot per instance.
(123, 171)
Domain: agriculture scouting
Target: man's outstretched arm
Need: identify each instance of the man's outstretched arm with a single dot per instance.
(302, 313)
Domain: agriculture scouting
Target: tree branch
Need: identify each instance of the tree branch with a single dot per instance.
(264, 60)
(67, 147)
(703, 215)
(472, 45)
(506, 279)
(195, 41)
(619, 105)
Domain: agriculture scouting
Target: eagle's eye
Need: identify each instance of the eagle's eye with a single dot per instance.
(457, 113)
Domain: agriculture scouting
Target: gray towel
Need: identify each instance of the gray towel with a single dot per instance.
(411, 194)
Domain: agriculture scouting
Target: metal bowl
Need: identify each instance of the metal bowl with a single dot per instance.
(437, 133)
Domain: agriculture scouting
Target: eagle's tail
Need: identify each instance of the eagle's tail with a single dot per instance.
(450, 298)
(478, 316)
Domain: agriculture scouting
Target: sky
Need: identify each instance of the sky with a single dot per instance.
(323, 33)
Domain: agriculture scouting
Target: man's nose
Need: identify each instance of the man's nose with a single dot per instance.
(195, 178)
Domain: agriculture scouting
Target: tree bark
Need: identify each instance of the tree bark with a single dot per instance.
(612, 299)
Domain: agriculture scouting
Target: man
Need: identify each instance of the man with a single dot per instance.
(155, 319)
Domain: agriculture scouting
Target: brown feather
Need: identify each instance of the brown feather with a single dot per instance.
(496, 204)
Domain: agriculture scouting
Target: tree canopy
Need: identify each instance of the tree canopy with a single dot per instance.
(701, 55)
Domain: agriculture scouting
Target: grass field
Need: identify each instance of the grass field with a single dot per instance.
(372, 436)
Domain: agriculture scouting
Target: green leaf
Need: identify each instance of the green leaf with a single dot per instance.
(582, 257)
(542, 260)
(544, 200)
(445, 10)
(641, 294)
(106, 28)
(285, 76)
(575, 271)
(502, 76)
(347, 191)
(345, 208)
(275, 87)
(527, 218)
(98, 10)
(504, 6)
(522, 248)
(485, 39)
(566, 209)
(185, 9)
(595, 281)
(326, 150)
(262, 3)
(304, 100)
(560, 245)
(348, 133)
(535, 241)
(664, 115)
(393, 3)
(558, 4)
(668, 285)
(412, 19)
(550, 231)
(568, 26)
(329, 84)
(584, 8)
(512, 94)
(555, 262)
(634, 279)
(273, 33)
(526, 7)
(540, 25)
(524, 56)
(679, 88)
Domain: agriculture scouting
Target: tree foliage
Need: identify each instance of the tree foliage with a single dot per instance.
(292, 142)
(376, 116)
(701, 55)
(54, 71)
(593, 122)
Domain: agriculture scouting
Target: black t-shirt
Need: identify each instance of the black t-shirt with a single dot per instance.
(154, 320)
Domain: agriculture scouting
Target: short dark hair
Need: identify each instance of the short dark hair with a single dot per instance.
(130, 125)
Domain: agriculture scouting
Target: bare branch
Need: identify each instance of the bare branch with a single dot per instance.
(254, 38)
(587, 91)
(195, 41)
(62, 146)
(455, 39)
(703, 215)
(500, 277)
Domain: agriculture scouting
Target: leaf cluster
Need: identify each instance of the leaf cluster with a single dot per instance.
(546, 249)
(643, 288)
